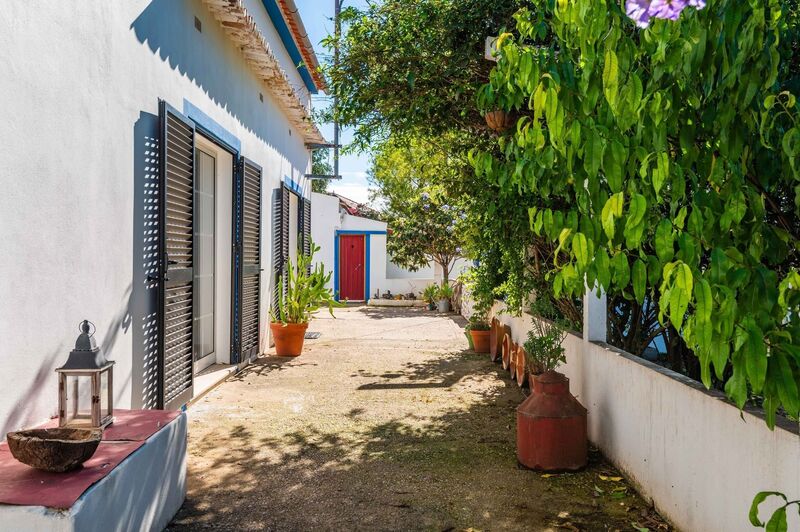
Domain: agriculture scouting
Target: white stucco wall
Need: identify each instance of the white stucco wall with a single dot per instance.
(696, 456)
(326, 219)
(79, 100)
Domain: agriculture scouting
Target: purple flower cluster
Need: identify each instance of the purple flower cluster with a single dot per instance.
(641, 11)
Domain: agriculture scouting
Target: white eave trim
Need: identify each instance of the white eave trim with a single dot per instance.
(243, 31)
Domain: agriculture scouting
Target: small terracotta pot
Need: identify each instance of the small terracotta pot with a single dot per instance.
(480, 341)
(288, 338)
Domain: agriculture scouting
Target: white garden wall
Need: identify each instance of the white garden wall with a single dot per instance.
(695, 455)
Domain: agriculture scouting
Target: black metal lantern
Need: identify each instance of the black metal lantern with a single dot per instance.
(85, 385)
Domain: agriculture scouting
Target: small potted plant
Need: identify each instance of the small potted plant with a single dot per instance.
(443, 295)
(551, 423)
(429, 295)
(306, 293)
(479, 330)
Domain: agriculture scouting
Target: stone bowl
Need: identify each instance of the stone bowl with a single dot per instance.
(55, 450)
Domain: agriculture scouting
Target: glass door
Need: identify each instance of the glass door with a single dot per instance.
(205, 216)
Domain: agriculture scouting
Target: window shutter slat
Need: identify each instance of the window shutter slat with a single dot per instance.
(176, 264)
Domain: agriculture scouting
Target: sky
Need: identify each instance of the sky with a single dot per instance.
(318, 19)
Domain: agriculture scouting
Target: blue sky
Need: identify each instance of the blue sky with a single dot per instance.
(318, 19)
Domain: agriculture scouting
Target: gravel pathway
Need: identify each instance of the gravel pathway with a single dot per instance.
(385, 422)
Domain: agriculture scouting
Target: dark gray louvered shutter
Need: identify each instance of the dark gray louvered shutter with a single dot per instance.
(176, 247)
(280, 252)
(249, 298)
(306, 227)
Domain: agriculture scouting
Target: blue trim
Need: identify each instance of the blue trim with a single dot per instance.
(336, 265)
(292, 185)
(367, 260)
(349, 232)
(366, 269)
(285, 34)
(208, 127)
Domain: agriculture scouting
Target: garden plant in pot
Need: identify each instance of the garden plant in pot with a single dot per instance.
(551, 423)
(479, 330)
(443, 294)
(304, 294)
(429, 295)
(478, 326)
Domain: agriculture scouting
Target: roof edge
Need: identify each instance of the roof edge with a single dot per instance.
(291, 13)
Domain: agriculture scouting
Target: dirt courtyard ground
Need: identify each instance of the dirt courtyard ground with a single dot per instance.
(386, 422)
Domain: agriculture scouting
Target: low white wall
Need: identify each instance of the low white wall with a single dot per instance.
(696, 456)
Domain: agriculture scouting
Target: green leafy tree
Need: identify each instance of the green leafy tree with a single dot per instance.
(664, 164)
(320, 165)
(425, 222)
(413, 67)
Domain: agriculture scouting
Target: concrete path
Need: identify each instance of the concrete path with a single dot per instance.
(385, 422)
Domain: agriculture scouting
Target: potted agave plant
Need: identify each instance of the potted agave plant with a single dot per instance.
(429, 295)
(551, 423)
(306, 293)
(443, 294)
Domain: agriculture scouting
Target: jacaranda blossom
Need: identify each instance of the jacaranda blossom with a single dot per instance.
(641, 11)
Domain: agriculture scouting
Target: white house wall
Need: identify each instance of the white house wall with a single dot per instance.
(79, 99)
(326, 219)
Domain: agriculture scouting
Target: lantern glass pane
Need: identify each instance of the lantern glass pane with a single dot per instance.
(104, 406)
(78, 407)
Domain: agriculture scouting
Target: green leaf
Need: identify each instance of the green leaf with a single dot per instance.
(704, 303)
(757, 500)
(755, 352)
(634, 226)
(611, 78)
(639, 275)
(611, 211)
(777, 523)
(661, 171)
(665, 248)
(593, 153)
(787, 386)
(680, 293)
(622, 270)
(580, 249)
(614, 165)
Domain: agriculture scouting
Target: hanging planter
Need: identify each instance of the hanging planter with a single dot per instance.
(499, 120)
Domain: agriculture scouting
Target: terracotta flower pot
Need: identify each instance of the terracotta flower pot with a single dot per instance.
(288, 338)
(496, 340)
(499, 120)
(480, 341)
(551, 426)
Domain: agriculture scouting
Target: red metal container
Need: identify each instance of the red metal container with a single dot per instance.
(551, 427)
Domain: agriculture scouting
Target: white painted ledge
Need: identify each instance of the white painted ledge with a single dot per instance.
(142, 493)
(396, 303)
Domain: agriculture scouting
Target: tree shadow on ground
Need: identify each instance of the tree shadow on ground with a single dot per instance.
(439, 459)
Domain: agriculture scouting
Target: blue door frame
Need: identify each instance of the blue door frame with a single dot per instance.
(366, 234)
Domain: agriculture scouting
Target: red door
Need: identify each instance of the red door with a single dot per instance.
(351, 267)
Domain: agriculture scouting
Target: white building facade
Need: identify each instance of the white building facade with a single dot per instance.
(354, 248)
(154, 180)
